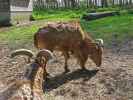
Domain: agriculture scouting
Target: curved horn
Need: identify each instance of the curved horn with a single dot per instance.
(26, 52)
(100, 41)
(46, 53)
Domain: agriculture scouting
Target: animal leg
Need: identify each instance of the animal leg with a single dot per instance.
(66, 56)
(82, 60)
(82, 64)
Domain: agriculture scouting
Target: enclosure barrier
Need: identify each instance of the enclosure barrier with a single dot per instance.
(42, 4)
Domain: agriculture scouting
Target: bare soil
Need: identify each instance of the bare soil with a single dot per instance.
(112, 81)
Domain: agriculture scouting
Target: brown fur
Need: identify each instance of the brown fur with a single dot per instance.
(31, 87)
(68, 37)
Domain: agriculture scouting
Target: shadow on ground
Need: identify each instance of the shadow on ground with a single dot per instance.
(57, 81)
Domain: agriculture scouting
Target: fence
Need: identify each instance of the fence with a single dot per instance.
(80, 3)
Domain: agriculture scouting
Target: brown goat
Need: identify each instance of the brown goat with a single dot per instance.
(29, 88)
(67, 37)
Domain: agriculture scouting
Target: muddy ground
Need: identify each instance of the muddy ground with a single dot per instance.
(112, 81)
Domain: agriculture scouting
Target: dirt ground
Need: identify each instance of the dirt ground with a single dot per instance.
(112, 81)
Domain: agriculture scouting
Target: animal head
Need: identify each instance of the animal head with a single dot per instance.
(94, 51)
(39, 60)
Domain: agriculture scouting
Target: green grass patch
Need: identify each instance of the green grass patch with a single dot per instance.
(59, 14)
(117, 28)
(18, 36)
(65, 13)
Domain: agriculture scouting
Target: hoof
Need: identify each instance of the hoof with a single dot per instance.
(66, 71)
(84, 69)
(48, 76)
(47, 79)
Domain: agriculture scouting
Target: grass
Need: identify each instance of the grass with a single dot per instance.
(66, 14)
(60, 14)
(18, 36)
(115, 28)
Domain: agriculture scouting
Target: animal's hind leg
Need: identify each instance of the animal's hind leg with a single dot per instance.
(66, 56)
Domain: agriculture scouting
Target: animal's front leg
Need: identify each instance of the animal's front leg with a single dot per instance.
(81, 58)
(66, 56)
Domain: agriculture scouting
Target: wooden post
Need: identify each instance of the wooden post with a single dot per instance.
(4, 12)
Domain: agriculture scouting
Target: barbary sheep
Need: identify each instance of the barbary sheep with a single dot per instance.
(31, 87)
(67, 37)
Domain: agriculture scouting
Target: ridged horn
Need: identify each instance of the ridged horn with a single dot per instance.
(100, 41)
(45, 53)
(26, 52)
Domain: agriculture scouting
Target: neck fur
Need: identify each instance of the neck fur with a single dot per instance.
(36, 77)
(33, 83)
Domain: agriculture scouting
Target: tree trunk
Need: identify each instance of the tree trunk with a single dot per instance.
(65, 3)
(73, 3)
(93, 16)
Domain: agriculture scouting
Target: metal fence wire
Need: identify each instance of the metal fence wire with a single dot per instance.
(81, 3)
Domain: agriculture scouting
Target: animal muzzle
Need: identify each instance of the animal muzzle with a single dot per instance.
(97, 60)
